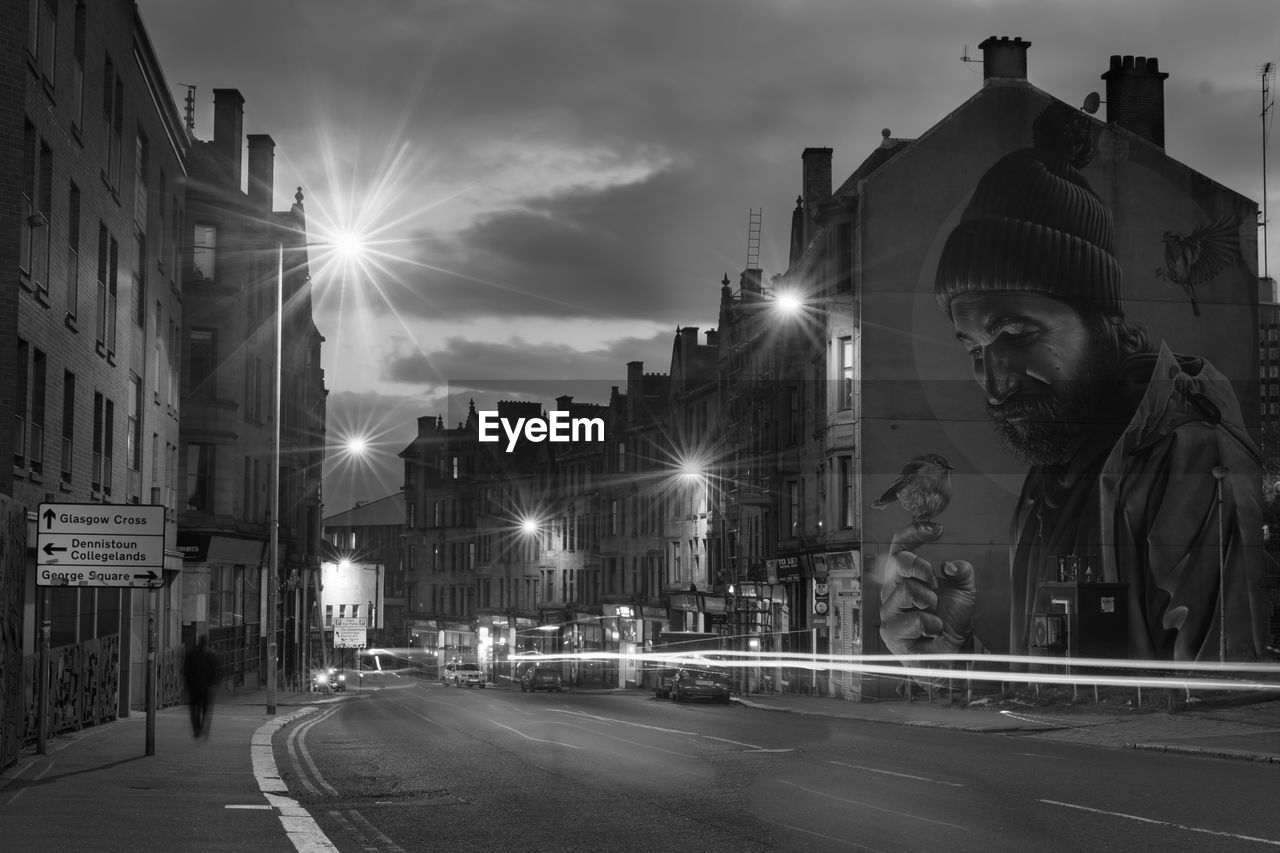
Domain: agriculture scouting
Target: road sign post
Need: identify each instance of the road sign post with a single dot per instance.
(103, 545)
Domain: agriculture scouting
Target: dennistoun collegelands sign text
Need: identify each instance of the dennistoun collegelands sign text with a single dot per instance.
(556, 427)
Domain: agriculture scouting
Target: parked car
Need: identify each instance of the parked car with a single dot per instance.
(327, 680)
(701, 683)
(459, 674)
(542, 676)
(662, 680)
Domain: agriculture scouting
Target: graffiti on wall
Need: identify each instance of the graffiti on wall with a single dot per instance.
(1135, 455)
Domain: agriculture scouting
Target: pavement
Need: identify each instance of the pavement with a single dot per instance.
(98, 790)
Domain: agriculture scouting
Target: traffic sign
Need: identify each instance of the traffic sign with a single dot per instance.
(99, 545)
(349, 638)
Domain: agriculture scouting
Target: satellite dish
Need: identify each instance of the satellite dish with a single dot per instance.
(1091, 102)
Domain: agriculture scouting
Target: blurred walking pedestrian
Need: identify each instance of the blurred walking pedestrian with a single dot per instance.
(200, 671)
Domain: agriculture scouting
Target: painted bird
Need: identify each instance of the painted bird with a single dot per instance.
(1199, 256)
(923, 488)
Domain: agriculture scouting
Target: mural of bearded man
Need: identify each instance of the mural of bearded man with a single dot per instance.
(1122, 435)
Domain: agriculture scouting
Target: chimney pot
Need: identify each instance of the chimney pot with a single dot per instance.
(1135, 96)
(1004, 58)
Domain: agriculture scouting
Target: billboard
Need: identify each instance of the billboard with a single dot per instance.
(1059, 359)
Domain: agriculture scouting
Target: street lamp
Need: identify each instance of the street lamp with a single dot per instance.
(347, 245)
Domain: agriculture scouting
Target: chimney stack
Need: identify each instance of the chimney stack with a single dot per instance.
(262, 157)
(228, 130)
(817, 181)
(1004, 58)
(1135, 96)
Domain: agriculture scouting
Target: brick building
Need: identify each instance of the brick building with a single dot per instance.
(92, 216)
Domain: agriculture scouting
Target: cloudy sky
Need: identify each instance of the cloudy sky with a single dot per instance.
(552, 187)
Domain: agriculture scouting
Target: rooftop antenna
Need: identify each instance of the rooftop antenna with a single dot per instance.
(753, 238)
(964, 57)
(1267, 71)
(1091, 103)
(190, 112)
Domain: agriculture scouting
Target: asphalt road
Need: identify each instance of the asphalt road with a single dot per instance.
(418, 766)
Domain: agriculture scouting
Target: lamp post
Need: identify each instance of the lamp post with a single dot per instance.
(349, 245)
(1219, 474)
(273, 557)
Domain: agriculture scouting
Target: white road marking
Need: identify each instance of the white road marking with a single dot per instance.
(304, 833)
(536, 739)
(1218, 833)
(846, 842)
(818, 793)
(892, 773)
(298, 747)
(645, 746)
(254, 807)
(748, 746)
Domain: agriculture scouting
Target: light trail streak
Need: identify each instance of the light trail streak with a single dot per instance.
(1181, 675)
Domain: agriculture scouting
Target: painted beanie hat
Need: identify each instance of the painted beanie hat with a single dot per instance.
(1034, 225)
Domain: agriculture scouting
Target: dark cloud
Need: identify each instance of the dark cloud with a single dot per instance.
(514, 364)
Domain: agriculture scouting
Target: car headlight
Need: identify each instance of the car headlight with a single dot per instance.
(322, 679)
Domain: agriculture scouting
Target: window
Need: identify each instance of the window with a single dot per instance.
(796, 413)
(108, 284)
(171, 475)
(171, 376)
(157, 354)
(200, 477)
(77, 68)
(203, 361)
(73, 252)
(847, 372)
(613, 518)
(846, 491)
(37, 189)
(103, 440)
(112, 123)
(21, 400)
(252, 381)
(140, 183)
(68, 424)
(140, 281)
(792, 520)
(844, 257)
(204, 252)
(155, 468)
(133, 455)
(44, 38)
(39, 366)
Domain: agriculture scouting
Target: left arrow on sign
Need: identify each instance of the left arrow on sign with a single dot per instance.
(50, 548)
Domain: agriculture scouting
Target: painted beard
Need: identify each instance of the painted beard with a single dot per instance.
(1044, 427)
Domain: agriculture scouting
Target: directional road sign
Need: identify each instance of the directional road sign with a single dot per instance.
(99, 545)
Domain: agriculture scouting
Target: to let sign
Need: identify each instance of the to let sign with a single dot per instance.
(99, 545)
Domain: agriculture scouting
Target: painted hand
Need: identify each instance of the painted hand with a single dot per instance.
(923, 611)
